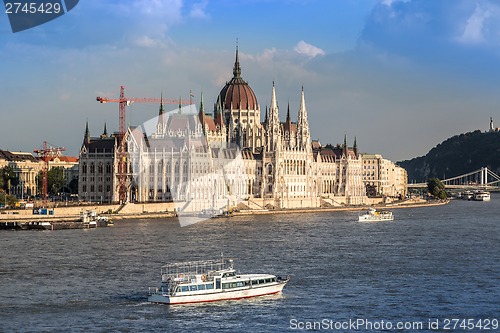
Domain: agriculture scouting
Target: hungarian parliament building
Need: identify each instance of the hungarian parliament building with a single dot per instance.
(233, 158)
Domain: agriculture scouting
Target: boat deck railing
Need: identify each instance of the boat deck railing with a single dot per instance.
(185, 271)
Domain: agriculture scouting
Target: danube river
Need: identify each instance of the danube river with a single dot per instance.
(422, 271)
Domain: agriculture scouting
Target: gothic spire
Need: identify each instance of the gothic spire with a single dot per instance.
(202, 108)
(344, 146)
(161, 117)
(86, 136)
(161, 111)
(237, 68)
(355, 147)
(274, 125)
(104, 133)
(288, 121)
(201, 113)
(303, 134)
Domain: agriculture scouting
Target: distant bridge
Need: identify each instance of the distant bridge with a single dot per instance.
(482, 178)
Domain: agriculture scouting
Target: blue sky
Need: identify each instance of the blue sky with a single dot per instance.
(400, 76)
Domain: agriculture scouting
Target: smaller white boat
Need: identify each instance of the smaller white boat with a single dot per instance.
(94, 220)
(467, 195)
(482, 196)
(373, 215)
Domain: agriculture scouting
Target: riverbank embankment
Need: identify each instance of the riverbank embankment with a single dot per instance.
(155, 210)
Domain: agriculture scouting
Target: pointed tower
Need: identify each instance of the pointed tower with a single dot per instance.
(274, 125)
(344, 146)
(355, 147)
(86, 136)
(287, 129)
(237, 67)
(104, 134)
(201, 115)
(303, 133)
(288, 122)
(266, 120)
(160, 127)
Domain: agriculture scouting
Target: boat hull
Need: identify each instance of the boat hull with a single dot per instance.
(367, 219)
(217, 295)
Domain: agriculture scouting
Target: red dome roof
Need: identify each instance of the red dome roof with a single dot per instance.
(237, 94)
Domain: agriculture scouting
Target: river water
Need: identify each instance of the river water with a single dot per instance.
(428, 266)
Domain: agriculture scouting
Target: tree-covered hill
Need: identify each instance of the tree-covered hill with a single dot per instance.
(456, 156)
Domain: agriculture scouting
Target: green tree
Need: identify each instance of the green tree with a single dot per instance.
(56, 180)
(436, 188)
(8, 178)
(7, 200)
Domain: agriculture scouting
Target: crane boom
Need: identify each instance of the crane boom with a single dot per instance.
(129, 101)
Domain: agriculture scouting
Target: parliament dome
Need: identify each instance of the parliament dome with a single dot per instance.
(237, 94)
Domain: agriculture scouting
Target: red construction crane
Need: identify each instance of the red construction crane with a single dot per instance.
(122, 156)
(46, 153)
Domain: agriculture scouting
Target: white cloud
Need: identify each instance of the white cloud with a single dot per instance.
(198, 10)
(145, 41)
(168, 9)
(389, 3)
(473, 31)
(308, 50)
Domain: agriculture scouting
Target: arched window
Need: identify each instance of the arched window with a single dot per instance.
(269, 169)
(160, 166)
(92, 167)
(84, 168)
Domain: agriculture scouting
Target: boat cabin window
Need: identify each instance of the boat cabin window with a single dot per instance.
(210, 286)
(193, 288)
(184, 288)
(228, 274)
(201, 287)
(238, 284)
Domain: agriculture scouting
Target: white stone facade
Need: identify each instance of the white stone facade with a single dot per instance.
(384, 177)
(230, 158)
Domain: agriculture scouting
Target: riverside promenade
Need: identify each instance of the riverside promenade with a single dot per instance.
(167, 210)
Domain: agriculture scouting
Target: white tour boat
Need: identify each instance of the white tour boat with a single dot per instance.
(482, 196)
(468, 195)
(209, 281)
(94, 220)
(373, 215)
